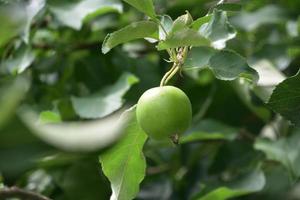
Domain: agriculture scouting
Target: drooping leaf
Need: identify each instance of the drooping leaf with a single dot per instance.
(225, 64)
(283, 150)
(106, 101)
(73, 14)
(218, 29)
(209, 130)
(269, 14)
(145, 6)
(136, 30)
(183, 37)
(124, 163)
(247, 183)
(285, 99)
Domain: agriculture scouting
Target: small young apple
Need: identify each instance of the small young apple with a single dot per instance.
(164, 112)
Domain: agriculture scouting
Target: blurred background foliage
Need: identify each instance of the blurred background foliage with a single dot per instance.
(52, 71)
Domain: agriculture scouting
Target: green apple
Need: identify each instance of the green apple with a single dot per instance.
(164, 112)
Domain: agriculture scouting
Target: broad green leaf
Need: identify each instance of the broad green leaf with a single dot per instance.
(200, 21)
(105, 101)
(246, 184)
(13, 19)
(218, 29)
(73, 14)
(11, 95)
(88, 136)
(145, 6)
(225, 64)
(136, 30)
(20, 61)
(209, 130)
(183, 37)
(269, 14)
(183, 21)
(285, 99)
(283, 150)
(32, 9)
(47, 117)
(124, 163)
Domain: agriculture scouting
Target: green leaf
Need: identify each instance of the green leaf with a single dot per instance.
(145, 6)
(124, 163)
(249, 21)
(209, 130)
(47, 117)
(200, 21)
(105, 101)
(73, 14)
(218, 30)
(283, 150)
(183, 21)
(225, 64)
(245, 184)
(13, 19)
(183, 37)
(285, 99)
(136, 30)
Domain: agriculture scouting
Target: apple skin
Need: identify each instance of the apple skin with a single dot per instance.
(163, 112)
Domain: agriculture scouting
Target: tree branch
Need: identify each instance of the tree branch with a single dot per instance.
(11, 192)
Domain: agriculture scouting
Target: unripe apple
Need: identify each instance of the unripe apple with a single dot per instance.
(164, 112)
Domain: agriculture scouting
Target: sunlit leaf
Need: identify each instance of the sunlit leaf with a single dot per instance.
(218, 29)
(32, 9)
(183, 37)
(136, 30)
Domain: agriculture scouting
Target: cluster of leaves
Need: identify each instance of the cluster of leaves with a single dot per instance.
(65, 132)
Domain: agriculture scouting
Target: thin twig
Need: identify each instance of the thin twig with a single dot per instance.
(14, 191)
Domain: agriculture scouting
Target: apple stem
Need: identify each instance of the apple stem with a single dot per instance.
(178, 62)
